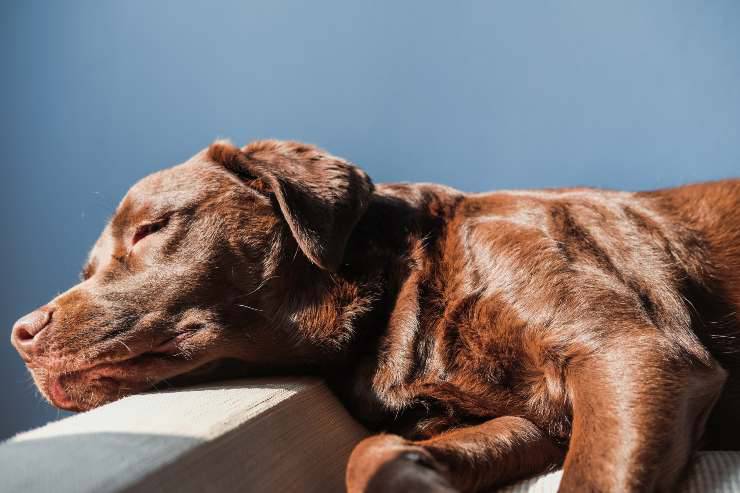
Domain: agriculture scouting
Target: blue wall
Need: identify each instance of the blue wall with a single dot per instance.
(477, 95)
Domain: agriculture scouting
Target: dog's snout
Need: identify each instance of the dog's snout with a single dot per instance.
(28, 327)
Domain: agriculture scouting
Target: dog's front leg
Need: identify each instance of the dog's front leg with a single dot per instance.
(639, 409)
(466, 459)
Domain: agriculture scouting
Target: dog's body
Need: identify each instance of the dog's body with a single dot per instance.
(504, 306)
(491, 332)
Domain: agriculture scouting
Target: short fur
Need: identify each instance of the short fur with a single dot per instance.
(489, 336)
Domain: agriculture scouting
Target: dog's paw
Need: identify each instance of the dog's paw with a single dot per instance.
(410, 472)
(387, 463)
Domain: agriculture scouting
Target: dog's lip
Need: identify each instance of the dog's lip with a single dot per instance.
(113, 373)
(59, 396)
(118, 370)
(67, 365)
(169, 347)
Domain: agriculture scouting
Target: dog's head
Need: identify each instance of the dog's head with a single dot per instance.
(178, 279)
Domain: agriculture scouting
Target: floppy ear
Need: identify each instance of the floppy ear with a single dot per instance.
(320, 196)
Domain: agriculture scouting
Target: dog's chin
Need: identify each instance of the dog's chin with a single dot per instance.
(88, 388)
(77, 393)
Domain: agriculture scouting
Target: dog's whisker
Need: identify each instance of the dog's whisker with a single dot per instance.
(126, 346)
(260, 286)
(248, 307)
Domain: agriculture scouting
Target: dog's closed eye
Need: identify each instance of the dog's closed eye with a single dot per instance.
(147, 229)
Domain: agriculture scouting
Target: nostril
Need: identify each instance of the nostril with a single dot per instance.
(23, 334)
(29, 326)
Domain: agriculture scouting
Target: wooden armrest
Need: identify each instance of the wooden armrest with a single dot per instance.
(240, 435)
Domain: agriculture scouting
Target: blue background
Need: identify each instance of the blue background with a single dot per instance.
(477, 95)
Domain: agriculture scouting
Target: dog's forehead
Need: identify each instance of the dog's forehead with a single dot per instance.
(159, 193)
(168, 190)
(170, 187)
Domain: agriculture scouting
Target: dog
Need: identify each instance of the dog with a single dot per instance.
(486, 337)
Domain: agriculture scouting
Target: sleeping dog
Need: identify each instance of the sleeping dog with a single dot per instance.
(488, 336)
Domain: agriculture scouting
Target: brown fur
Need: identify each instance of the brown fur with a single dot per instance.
(490, 336)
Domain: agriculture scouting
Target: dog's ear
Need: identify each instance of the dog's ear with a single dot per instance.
(320, 196)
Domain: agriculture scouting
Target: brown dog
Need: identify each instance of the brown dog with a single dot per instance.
(497, 335)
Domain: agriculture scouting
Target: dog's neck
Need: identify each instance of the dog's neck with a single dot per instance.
(334, 313)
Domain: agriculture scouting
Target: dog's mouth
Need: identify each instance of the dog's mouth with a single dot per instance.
(85, 389)
(93, 383)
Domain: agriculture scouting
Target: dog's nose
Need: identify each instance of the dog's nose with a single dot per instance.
(28, 327)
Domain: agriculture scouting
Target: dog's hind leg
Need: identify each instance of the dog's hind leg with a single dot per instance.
(639, 411)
